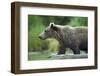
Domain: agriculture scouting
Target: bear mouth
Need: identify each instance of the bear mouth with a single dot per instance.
(41, 38)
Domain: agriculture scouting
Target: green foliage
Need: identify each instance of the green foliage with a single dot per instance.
(33, 41)
(78, 21)
(53, 45)
(36, 24)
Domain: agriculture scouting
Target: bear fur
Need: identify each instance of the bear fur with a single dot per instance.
(74, 38)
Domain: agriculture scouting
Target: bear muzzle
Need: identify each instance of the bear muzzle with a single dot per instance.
(41, 37)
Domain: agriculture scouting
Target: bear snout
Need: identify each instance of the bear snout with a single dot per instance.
(40, 37)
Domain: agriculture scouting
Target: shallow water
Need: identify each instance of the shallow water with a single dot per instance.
(46, 55)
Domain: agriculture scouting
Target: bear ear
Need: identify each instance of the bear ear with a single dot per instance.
(53, 27)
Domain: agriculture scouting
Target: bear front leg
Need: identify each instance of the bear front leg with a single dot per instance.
(62, 50)
(76, 50)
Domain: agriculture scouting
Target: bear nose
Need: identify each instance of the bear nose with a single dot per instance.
(40, 37)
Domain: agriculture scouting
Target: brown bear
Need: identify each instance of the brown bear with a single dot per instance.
(74, 38)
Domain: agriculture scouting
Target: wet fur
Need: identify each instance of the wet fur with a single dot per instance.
(74, 38)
